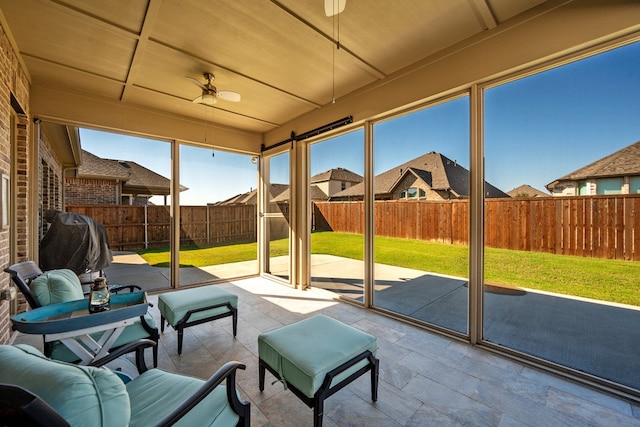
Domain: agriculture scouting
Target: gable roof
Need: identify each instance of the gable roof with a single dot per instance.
(337, 174)
(526, 190)
(96, 167)
(251, 197)
(623, 162)
(440, 172)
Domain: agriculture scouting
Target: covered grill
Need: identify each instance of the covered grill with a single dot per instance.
(76, 242)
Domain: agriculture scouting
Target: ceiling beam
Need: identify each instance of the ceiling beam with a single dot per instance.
(143, 41)
(484, 13)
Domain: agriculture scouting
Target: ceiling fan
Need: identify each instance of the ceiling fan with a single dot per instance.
(210, 93)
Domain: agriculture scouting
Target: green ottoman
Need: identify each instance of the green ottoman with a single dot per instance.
(190, 307)
(316, 357)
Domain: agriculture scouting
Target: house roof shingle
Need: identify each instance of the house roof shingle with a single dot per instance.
(440, 172)
(137, 179)
(337, 174)
(623, 162)
(526, 190)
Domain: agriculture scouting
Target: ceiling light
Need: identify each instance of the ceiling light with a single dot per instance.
(334, 7)
(209, 99)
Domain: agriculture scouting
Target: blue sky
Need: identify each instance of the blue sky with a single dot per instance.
(537, 129)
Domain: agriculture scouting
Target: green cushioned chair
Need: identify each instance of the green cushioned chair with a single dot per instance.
(56, 286)
(92, 396)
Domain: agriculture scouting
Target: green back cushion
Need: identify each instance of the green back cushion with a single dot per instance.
(56, 286)
(82, 395)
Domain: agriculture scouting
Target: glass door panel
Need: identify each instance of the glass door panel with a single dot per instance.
(218, 211)
(337, 225)
(421, 187)
(276, 216)
(134, 209)
(561, 277)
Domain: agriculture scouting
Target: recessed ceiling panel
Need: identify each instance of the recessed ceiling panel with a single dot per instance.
(391, 35)
(164, 70)
(256, 39)
(65, 36)
(128, 14)
(59, 77)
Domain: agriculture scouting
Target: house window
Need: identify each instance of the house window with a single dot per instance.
(609, 186)
(403, 194)
(343, 186)
(412, 193)
(423, 194)
(634, 185)
(583, 189)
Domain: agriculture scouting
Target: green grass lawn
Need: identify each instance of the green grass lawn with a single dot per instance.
(602, 279)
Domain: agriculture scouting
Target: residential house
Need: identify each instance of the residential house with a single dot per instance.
(251, 197)
(431, 176)
(113, 182)
(326, 184)
(526, 190)
(323, 186)
(617, 173)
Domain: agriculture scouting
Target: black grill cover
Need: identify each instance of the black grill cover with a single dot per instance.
(74, 241)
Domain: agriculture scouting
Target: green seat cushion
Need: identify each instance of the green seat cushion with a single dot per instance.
(131, 333)
(82, 395)
(174, 305)
(56, 286)
(304, 352)
(155, 393)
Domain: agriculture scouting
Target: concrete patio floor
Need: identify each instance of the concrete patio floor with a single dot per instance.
(425, 379)
(589, 336)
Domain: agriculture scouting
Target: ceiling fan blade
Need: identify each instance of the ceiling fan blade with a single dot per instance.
(228, 95)
(334, 7)
(196, 82)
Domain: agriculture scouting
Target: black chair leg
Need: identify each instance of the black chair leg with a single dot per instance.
(318, 412)
(374, 379)
(261, 372)
(180, 337)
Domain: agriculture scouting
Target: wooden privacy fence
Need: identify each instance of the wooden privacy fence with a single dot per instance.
(138, 227)
(595, 226)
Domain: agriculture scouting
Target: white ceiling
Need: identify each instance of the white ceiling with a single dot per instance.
(280, 55)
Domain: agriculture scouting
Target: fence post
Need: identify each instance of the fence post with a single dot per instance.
(208, 226)
(146, 231)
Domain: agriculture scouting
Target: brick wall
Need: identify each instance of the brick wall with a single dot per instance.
(14, 89)
(82, 191)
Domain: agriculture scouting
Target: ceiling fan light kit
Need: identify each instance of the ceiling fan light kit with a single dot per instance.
(209, 99)
(210, 94)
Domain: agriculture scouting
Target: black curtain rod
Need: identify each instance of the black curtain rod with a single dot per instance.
(317, 131)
